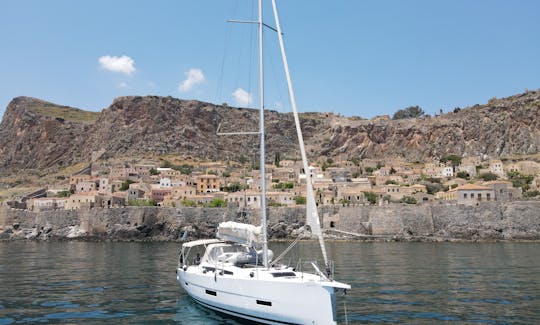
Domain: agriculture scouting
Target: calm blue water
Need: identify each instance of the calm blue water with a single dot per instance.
(418, 283)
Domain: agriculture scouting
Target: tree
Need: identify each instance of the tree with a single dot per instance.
(153, 171)
(488, 176)
(519, 180)
(455, 159)
(232, 187)
(409, 112)
(463, 174)
(531, 193)
(277, 159)
(371, 197)
(285, 185)
(392, 171)
(125, 185)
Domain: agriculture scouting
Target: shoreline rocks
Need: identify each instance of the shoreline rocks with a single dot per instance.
(490, 221)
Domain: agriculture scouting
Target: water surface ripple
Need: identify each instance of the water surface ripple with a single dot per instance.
(412, 283)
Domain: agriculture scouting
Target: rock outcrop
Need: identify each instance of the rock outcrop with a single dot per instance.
(38, 135)
(488, 221)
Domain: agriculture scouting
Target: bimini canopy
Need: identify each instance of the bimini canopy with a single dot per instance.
(239, 232)
(200, 242)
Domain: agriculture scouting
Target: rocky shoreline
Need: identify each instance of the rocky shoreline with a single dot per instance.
(490, 221)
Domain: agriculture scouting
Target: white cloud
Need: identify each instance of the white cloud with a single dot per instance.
(242, 97)
(193, 77)
(123, 64)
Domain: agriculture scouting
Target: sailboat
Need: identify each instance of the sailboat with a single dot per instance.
(237, 274)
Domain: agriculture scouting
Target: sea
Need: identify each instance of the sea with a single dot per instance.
(392, 283)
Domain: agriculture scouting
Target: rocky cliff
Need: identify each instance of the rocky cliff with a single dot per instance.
(35, 134)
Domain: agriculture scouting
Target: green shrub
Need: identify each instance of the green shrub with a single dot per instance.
(217, 203)
(371, 197)
(300, 200)
(408, 200)
(142, 202)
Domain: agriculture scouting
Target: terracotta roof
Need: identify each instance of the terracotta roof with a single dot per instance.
(472, 187)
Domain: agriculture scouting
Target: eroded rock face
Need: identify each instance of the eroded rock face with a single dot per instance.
(35, 134)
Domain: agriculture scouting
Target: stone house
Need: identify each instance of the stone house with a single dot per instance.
(124, 173)
(497, 168)
(109, 200)
(82, 200)
(447, 171)
(432, 170)
(284, 174)
(467, 168)
(283, 198)
(243, 199)
(353, 195)
(159, 194)
(473, 193)
(504, 191)
(87, 186)
(208, 184)
(530, 168)
(134, 192)
(46, 204)
(75, 179)
(338, 175)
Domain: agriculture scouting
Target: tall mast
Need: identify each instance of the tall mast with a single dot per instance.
(311, 212)
(261, 135)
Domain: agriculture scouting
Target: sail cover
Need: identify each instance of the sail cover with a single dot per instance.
(239, 232)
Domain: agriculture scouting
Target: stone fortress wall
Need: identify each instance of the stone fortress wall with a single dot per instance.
(519, 220)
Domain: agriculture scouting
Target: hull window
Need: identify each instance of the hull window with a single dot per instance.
(210, 292)
(264, 303)
(282, 274)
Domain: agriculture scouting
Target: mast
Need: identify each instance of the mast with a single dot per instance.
(261, 135)
(311, 213)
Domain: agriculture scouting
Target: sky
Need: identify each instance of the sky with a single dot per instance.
(356, 58)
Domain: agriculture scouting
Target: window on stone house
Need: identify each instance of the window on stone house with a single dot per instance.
(479, 196)
(464, 195)
(488, 197)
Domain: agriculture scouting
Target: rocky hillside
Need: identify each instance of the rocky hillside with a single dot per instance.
(35, 134)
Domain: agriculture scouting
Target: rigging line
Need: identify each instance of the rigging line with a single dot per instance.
(279, 87)
(227, 38)
(240, 66)
(300, 236)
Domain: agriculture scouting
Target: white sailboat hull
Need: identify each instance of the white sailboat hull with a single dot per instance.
(302, 299)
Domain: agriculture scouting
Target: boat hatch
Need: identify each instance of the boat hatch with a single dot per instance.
(283, 274)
